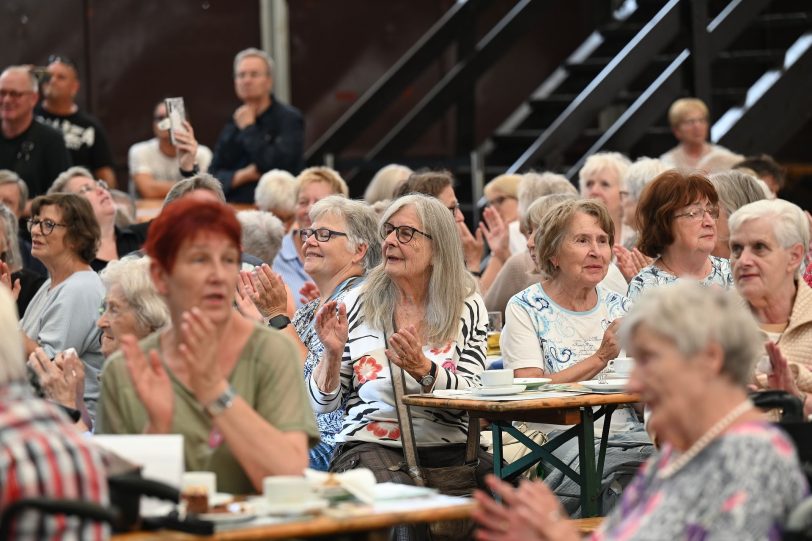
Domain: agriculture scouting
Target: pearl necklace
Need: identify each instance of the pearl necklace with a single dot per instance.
(705, 440)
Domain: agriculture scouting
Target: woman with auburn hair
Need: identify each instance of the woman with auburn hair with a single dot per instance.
(677, 214)
(231, 387)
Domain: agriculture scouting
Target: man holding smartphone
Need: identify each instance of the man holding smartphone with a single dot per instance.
(263, 133)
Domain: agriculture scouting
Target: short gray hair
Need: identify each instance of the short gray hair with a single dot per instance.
(692, 317)
(60, 184)
(201, 181)
(385, 182)
(534, 185)
(12, 364)
(253, 51)
(541, 206)
(640, 173)
(25, 70)
(449, 284)
(737, 188)
(262, 234)
(8, 221)
(604, 160)
(276, 191)
(788, 221)
(361, 222)
(554, 227)
(131, 274)
(10, 177)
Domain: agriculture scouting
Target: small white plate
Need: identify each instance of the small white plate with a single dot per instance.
(498, 391)
(220, 498)
(609, 385)
(293, 508)
(531, 383)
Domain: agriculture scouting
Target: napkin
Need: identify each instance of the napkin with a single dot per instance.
(361, 483)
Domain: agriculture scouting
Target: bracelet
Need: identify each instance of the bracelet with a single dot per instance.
(221, 403)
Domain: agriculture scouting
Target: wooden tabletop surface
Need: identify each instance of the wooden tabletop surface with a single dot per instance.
(320, 525)
(563, 410)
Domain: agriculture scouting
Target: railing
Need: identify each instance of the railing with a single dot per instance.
(708, 39)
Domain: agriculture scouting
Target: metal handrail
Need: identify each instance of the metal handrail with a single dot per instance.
(621, 70)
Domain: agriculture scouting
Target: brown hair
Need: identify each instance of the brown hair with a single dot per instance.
(667, 193)
(82, 232)
(556, 222)
(428, 183)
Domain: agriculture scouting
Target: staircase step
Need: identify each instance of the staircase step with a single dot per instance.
(796, 19)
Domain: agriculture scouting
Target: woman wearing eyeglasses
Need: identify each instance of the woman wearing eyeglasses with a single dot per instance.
(63, 313)
(419, 309)
(115, 242)
(677, 214)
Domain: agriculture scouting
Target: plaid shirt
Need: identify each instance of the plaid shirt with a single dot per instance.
(41, 454)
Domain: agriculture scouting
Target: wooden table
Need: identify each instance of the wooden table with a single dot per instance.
(371, 525)
(571, 410)
(147, 209)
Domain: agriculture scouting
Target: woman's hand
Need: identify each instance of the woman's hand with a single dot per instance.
(61, 380)
(496, 234)
(5, 279)
(529, 512)
(610, 347)
(198, 348)
(245, 305)
(406, 351)
(309, 292)
(472, 247)
(151, 383)
(186, 144)
(332, 328)
(631, 262)
(266, 289)
(782, 377)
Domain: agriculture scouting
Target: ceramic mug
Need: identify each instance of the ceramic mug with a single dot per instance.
(494, 378)
(622, 366)
(287, 489)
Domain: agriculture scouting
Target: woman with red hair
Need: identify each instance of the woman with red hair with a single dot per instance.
(231, 387)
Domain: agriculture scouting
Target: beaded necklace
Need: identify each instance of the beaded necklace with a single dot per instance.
(704, 440)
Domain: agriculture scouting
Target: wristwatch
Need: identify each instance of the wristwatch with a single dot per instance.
(428, 380)
(279, 322)
(221, 403)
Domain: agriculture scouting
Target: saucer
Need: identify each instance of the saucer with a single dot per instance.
(498, 391)
(242, 513)
(293, 508)
(609, 385)
(531, 383)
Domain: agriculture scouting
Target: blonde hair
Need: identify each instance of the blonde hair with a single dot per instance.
(449, 284)
(682, 107)
(386, 182)
(322, 174)
(613, 161)
(12, 365)
(507, 184)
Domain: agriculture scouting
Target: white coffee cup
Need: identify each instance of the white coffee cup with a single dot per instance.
(290, 489)
(622, 366)
(494, 378)
(199, 480)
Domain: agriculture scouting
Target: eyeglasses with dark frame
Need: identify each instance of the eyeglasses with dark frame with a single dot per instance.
(322, 234)
(404, 233)
(697, 213)
(90, 187)
(46, 227)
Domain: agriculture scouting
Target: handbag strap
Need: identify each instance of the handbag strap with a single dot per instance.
(405, 421)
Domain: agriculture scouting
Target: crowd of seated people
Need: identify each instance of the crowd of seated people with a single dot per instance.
(267, 337)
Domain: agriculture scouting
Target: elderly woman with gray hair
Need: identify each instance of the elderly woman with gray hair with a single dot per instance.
(723, 471)
(276, 193)
(131, 305)
(768, 243)
(735, 189)
(115, 241)
(23, 283)
(419, 310)
(563, 327)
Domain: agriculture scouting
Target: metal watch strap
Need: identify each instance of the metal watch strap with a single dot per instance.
(221, 403)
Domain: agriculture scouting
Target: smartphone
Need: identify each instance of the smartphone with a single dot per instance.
(176, 113)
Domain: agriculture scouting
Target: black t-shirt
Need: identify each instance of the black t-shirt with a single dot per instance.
(38, 155)
(84, 137)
